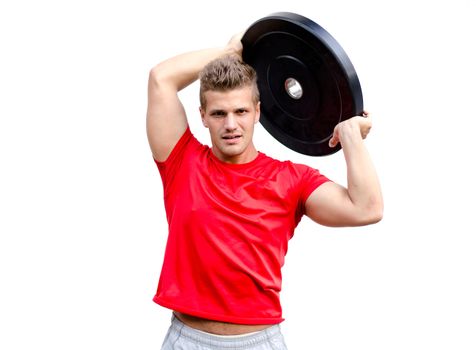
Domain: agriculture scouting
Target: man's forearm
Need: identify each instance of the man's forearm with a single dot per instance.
(182, 70)
(362, 181)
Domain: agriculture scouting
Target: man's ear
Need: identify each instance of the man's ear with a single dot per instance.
(258, 112)
(202, 115)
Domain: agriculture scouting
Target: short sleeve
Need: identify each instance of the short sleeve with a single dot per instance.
(171, 166)
(311, 180)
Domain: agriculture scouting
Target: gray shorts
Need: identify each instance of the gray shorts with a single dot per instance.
(183, 337)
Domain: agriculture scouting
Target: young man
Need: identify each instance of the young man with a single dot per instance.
(231, 209)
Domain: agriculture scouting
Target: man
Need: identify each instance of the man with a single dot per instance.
(231, 209)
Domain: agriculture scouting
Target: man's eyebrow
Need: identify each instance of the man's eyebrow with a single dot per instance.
(217, 110)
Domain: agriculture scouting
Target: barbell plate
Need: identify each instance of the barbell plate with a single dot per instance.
(307, 82)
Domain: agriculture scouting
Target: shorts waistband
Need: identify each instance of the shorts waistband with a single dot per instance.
(204, 338)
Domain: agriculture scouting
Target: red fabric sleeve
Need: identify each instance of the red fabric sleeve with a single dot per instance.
(310, 180)
(171, 165)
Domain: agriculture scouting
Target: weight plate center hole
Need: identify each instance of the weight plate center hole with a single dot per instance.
(293, 88)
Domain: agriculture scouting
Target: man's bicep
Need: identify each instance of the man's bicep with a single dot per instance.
(330, 205)
(166, 120)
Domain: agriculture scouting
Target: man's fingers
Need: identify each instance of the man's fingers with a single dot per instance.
(333, 141)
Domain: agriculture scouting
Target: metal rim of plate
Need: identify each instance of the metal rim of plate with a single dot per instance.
(306, 81)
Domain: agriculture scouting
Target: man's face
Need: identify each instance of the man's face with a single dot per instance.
(230, 117)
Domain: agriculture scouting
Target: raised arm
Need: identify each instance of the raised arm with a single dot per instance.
(166, 118)
(361, 203)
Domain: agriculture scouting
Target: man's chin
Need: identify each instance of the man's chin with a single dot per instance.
(230, 151)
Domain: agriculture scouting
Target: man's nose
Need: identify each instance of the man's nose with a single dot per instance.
(230, 122)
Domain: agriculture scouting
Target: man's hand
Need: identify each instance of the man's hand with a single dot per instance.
(234, 46)
(350, 127)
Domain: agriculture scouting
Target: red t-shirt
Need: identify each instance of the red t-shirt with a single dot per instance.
(229, 226)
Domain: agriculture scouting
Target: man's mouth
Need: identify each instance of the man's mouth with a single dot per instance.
(231, 137)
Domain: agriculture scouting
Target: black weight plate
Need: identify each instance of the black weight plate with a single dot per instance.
(286, 45)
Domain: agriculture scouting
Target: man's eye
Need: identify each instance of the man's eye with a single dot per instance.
(218, 114)
(241, 111)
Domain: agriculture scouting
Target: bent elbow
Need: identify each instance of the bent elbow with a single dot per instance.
(156, 76)
(162, 79)
(377, 217)
(374, 215)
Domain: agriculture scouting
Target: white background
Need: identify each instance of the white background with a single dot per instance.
(81, 216)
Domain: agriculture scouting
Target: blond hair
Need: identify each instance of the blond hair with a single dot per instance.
(227, 73)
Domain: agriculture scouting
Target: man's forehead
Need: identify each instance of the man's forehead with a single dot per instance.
(237, 98)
